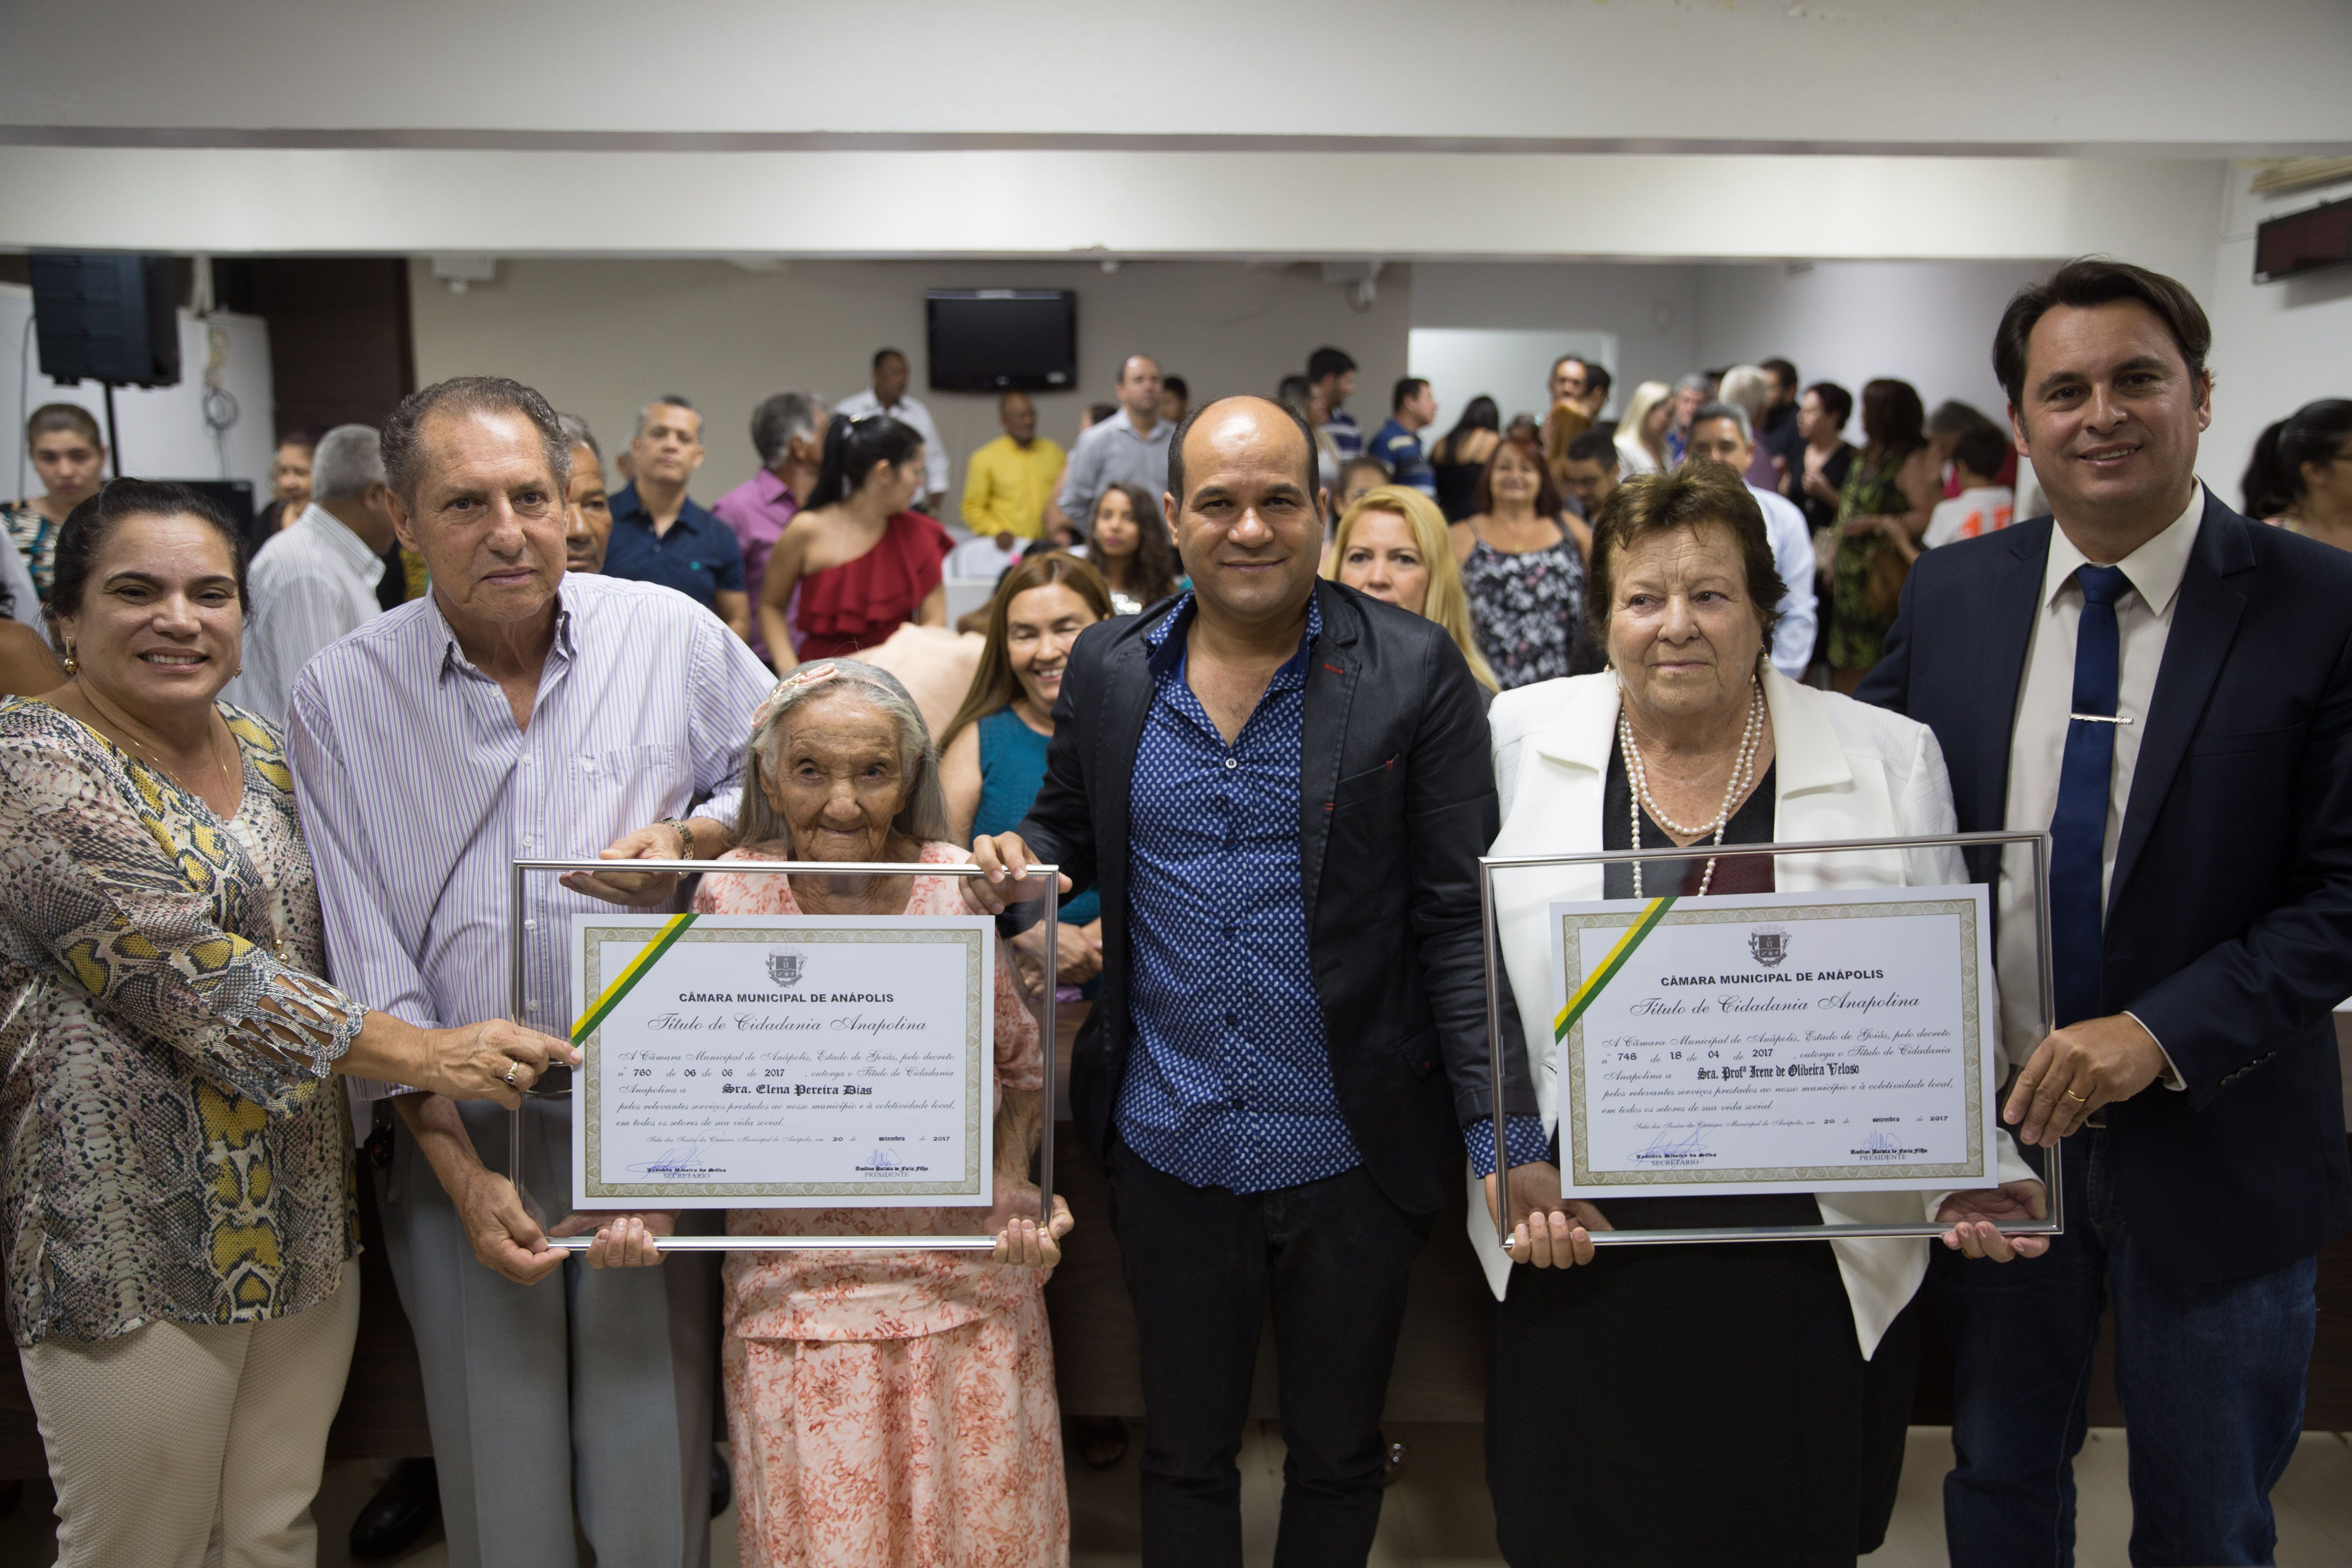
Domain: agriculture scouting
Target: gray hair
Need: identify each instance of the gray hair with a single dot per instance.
(782, 419)
(1697, 381)
(348, 459)
(923, 818)
(576, 431)
(1720, 409)
(404, 453)
(667, 400)
(1750, 387)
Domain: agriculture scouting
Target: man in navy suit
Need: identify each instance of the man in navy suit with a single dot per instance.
(2166, 686)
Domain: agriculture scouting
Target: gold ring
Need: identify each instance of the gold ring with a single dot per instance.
(511, 1073)
(2072, 1095)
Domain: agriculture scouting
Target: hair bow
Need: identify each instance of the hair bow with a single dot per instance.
(806, 675)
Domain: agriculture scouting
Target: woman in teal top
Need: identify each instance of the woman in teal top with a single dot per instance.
(993, 752)
(1012, 766)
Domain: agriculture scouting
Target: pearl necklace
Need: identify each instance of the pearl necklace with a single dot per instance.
(1742, 776)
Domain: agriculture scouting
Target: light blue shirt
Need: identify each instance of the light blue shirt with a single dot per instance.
(418, 791)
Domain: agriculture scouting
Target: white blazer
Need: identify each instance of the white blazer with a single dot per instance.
(1842, 770)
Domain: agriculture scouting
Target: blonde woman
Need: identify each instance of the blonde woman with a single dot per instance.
(1392, 544)
(1641, 434)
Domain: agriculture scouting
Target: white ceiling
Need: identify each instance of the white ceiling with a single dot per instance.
(2181, 78)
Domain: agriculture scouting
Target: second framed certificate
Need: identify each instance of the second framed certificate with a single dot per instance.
(1775, 1043)
(800, 1062)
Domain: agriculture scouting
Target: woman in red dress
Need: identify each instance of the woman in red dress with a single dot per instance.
(863, 564)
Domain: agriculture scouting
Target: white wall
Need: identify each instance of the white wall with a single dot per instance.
(1653, 309)
(1717, 74)
(601, 337)
(1510, 364)
(1929, 322)
(2276, 346)
(163, 434)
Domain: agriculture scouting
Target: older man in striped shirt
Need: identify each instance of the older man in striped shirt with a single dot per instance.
(516, 711)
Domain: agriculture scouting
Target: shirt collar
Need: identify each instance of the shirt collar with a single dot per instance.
(626, 504)
(1167, 646)
(453, 657)
(346, 546)
(2154, 570)
(772, 490)
(1160, 427)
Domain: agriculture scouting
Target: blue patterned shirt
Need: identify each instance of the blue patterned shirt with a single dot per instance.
(1230, 1082)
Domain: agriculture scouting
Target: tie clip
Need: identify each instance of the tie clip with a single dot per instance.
(2099, 718)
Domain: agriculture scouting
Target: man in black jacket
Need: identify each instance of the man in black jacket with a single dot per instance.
(1281, 788)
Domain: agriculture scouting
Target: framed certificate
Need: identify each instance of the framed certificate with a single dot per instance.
(797, 1061)
(819, 1062)
(1764, 1042)
(1841, 1036)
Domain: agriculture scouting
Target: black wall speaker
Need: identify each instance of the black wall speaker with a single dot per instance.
(107, 316)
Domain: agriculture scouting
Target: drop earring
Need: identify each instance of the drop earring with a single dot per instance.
(73, 664)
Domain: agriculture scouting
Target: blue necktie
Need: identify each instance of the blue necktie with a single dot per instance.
(2078, 829)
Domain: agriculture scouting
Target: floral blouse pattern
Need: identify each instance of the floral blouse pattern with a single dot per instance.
(1526, 608)
(873, 1295)
(169, 1152)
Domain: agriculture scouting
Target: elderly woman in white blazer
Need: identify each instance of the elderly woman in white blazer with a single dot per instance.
(1701, 1404)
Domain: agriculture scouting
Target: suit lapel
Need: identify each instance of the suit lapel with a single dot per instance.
(2009, 614)
(1330, 692)
(2204, 623)
(1130, 701)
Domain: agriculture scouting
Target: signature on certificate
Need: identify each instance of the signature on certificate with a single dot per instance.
(1666, 1146)
(683, 1162)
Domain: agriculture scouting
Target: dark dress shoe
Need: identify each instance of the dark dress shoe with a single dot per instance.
(722, 1483)
(397, 1517)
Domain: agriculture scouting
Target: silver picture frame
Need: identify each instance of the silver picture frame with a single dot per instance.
(2051, 1176)
(517, 886)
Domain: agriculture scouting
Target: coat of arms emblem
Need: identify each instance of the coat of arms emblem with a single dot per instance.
(785, 968)
(1768, 945)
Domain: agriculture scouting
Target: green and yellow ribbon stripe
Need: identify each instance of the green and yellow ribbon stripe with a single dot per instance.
(1634, 937)
(625, 982)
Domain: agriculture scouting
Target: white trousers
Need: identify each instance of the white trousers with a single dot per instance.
(178, 1440)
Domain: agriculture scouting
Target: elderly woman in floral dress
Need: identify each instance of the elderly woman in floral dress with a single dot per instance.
(896, 1406)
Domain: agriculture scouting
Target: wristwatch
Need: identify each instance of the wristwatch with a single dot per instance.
(685, 836)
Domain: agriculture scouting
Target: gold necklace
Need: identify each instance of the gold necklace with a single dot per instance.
(212, 755)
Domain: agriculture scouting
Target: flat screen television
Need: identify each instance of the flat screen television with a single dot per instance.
(1003, 340)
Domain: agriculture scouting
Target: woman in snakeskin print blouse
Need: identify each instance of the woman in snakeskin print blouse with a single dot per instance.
(176, 1193)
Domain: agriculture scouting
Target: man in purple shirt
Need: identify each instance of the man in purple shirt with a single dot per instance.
(788, 431)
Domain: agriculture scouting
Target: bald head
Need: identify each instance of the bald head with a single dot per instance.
(1262, 414)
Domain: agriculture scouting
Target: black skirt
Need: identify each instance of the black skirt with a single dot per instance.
(1703, 1403)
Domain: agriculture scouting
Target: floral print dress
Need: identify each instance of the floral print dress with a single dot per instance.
(890, 1408)
(1526, 607)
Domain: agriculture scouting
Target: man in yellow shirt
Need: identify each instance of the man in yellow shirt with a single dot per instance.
(1009, 480)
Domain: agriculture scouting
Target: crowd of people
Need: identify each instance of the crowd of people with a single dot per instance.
(1265, 689)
